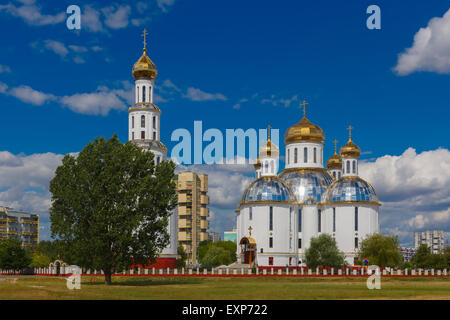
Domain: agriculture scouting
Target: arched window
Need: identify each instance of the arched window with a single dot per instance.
(334, 174)
(154, 135)
(132, 122)
(142, 121)
(132, 136)
(288, 156)
(266, 167)
(137, 93)
(295, 155)
(315, 155)
(142, 135)
(305, 155)
(339, 174)
(271, 166)
(348, 166)
(154, 122)
(354, 166)
(143, 94)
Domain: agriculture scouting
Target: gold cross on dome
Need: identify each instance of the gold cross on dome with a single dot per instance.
(335, 145)
(304, 107)
(350, 131)
(145, 42)
(268, 131)
(250, 230)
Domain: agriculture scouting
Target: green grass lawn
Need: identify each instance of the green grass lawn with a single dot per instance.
(198, 288)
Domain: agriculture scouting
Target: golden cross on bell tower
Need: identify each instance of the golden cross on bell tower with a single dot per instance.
(335, 145)
(350, 132)
(250, 230)
(268, 131)
(145, 42)
(304, 107)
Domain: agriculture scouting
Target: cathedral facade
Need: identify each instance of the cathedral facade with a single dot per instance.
(144, 130)
(279, 213)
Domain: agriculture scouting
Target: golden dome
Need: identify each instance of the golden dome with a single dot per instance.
(350, 150)
(304, 130)
(144, 67)
(269, 149)
(335, 162)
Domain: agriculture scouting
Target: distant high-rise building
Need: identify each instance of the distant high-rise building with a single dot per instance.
(432, 238)
(214, 236)
(192, 210)
(20, 225)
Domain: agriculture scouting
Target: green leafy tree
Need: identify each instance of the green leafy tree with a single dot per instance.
(383, 251)
(421, 258)
(202, 248)
(13, 256)
(110, 206)
(214, 257)
(228, 246)
(182, 257)
(40, 260)
(324, 252)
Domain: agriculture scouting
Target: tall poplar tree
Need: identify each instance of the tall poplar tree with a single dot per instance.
(111, 205)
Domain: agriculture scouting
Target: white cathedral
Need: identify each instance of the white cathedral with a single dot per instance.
(279, 214)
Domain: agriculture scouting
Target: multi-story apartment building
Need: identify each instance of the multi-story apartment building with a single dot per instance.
(192, 210)
(20, 225)
(432, 238)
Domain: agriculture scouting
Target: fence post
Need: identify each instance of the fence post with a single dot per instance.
(264, 272)
(271, 270)
(295, 272)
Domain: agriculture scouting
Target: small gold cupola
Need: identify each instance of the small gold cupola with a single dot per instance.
(269, 149)
(144, 67)
(350, 149)
(335, 161)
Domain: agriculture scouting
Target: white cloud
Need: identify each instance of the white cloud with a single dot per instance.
(275, 101)
(116, 16)
(98, 102)
(4, 68)
(430, 50)
(90, 19)
(71, 52)
(3, 87)
(195, 94)
(164, 5)
(413, 189)
(101, 101)
(57, 47)
(32, 15)
(29, 95)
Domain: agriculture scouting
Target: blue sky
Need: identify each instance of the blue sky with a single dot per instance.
(231, 64)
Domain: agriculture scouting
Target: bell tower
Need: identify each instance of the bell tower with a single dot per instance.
(144, 115)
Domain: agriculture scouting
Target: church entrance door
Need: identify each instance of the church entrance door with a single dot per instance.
(248, 250)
